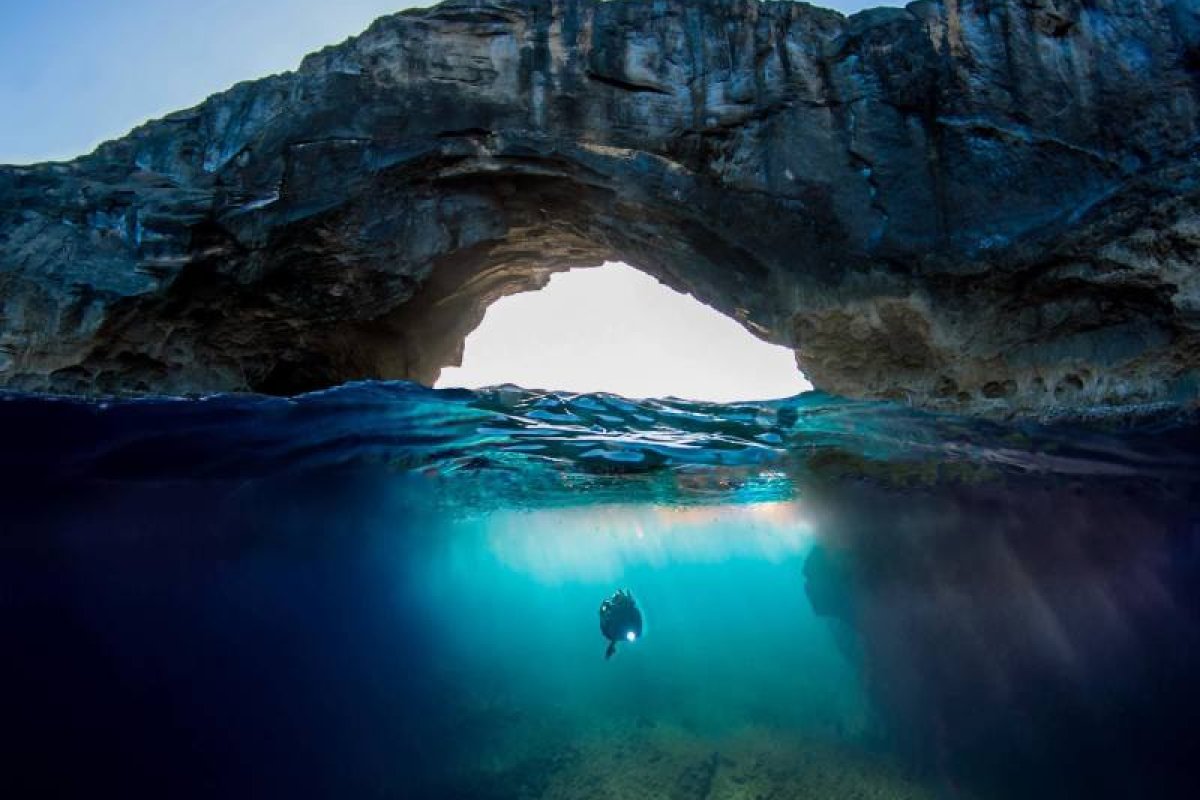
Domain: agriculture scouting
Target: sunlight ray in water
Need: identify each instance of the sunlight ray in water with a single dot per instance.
(599, 543)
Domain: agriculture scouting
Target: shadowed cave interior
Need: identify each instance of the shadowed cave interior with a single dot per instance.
(375, 323)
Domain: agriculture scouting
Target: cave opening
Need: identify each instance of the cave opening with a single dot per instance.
(616, 329)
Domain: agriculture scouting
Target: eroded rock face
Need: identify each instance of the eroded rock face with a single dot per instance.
(982, 204)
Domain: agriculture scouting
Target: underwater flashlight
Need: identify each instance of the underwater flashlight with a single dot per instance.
(620, 619)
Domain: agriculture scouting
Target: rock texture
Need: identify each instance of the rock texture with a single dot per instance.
(979, 204)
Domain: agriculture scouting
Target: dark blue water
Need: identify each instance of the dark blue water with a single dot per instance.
(385, 591)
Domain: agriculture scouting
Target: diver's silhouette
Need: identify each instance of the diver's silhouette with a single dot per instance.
(620, 619)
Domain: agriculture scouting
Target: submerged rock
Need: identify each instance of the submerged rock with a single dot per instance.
(977, 204)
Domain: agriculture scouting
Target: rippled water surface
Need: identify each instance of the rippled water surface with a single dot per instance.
(383, 590)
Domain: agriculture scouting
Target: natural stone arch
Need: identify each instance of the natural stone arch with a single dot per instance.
(971, 204)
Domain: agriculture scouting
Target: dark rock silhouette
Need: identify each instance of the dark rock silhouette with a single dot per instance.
(977, 204)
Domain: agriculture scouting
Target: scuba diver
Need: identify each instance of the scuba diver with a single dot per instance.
(620, 619)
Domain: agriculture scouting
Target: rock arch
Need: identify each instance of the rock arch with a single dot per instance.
(977, 204)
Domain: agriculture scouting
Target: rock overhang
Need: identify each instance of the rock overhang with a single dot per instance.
(970, 205)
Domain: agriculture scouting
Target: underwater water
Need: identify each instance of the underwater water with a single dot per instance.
(387, 591)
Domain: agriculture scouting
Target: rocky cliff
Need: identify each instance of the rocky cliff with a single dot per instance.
(977, 204)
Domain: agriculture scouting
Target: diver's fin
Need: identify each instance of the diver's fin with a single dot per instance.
(612, 648)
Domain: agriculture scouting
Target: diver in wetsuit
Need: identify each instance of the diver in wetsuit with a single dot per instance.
(620, 619)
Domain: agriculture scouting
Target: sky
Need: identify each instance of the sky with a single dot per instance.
(74, 73)
(616, 329)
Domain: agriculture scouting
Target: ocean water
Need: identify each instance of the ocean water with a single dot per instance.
(388, 591)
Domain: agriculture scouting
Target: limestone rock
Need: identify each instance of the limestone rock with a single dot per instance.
(975, 204)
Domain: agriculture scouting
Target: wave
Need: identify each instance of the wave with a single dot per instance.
(508, 443)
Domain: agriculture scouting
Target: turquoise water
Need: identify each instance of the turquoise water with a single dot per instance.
(731, 648)
(387, 591)
(518, 596)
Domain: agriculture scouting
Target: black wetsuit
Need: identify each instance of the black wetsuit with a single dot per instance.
(619, 617)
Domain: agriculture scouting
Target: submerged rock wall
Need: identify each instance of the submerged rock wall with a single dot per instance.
(976, 204)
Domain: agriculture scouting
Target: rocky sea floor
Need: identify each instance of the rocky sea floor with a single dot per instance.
(666, 762)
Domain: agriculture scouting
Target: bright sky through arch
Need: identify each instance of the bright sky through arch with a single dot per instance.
(615, 329)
